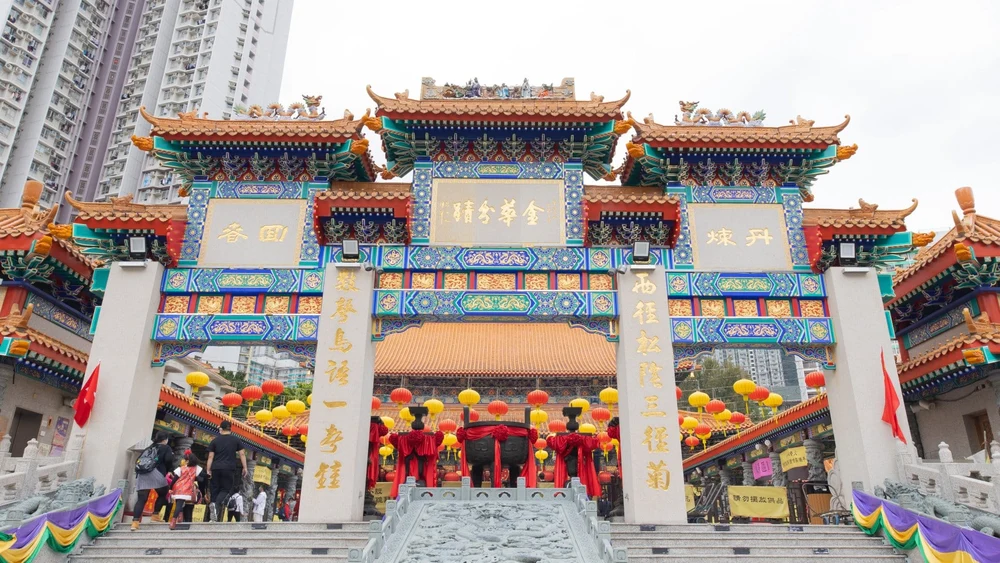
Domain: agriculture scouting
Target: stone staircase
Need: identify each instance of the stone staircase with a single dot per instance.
(209, 542)
(707, 543)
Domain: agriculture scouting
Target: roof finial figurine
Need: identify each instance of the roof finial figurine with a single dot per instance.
(525, 89)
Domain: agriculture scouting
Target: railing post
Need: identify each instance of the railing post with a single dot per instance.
(13, 518)
(944, 453)
(466, 493)
(28, 465)
(4, 452)
(375, 535)
(522, 491)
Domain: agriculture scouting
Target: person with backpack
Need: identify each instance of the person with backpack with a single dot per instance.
(185, 487)
(151, 475)
(235, 507)
(225, 458)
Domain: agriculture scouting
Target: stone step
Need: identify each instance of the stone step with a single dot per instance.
(185, 551)
(284, 527)
(236, 540)
(721, 558)
(684, 536)
(165, 534)
(706, 542)
(735, 528)
(198, 559)
(802, 552)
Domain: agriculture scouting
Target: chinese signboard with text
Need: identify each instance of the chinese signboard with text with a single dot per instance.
(498, 212)
(242, 233)
(739, 238)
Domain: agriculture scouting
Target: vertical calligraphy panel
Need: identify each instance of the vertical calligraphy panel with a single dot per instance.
(652, 473)
(333, 481)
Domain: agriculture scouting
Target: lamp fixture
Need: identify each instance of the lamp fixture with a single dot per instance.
(351, 250)
(640, 252)
(137, 248)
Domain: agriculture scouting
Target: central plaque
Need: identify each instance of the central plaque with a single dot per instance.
(473, 212)
(260, 233)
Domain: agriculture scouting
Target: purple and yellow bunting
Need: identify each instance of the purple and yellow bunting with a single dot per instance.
(59, 530)
(939, 542)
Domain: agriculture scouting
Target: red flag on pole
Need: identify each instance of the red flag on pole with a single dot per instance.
(891, 404)
(85, 400)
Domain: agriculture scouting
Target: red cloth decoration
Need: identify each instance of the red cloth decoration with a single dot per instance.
(411, 447)
(891, 404)
(375, 431)
(500, 433)
(583, 446)
(85, 400)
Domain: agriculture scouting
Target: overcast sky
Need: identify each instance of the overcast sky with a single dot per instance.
(921, 80)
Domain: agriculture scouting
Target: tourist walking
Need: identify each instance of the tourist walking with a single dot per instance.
(235, 507)
(259, 502)
(226, 458)
(151, 475)
(185, 487)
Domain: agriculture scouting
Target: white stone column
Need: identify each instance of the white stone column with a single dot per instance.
(653, 472)
(333, 480)
(866, 448)
(129, 387)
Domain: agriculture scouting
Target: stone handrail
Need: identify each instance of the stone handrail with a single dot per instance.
(952, 481)
(31, 474)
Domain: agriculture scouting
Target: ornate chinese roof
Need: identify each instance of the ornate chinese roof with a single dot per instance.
(67, 358)
(784, 420)
(866, 217)
(367, 193)
(189, 126)
(623, 194)
(538, 109)
(799, 134)
(122, 209)
(495, 349)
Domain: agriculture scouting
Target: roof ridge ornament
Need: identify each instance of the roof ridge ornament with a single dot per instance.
(308, 109)
(566, 90)
(692, 115)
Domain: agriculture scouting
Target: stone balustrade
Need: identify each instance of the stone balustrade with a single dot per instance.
(954, 481)
(31, 475)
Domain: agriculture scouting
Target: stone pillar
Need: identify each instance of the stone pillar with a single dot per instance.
(814, 457)
(272, 495)
(777, 473)
(866, 448)
(748, 480)
(129, 387)
(333, 487)
(653, 473)
(725, 476)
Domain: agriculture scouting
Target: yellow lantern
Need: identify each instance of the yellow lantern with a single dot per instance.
(468, 398)
(542, 455)
(385, 451)
(588, 428)
(614, 442)
(309, 399)
(281, 413)
(296, 407)
(725, 416)
(263, 416)
(582, 404)
(689, 423)
(538, 416)
(449, 440)
(404, 414)
(774, 401)
(434, 408)
(609, 396)
(743, 388)
(196, 380)
(389, 422)
(304, 438)
(698, 400)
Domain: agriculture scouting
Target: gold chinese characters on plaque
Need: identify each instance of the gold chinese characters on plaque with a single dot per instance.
(473, 212)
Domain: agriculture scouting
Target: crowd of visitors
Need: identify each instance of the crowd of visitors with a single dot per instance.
(180, 485)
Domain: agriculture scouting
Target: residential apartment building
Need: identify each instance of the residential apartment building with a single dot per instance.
(265, 363)
(191, 55)
(769, 367)
(59, 79)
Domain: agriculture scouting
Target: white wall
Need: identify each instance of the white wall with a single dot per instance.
(945, 422)
(29, 394)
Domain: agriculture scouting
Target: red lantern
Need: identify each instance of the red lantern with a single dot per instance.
(680, 419)
(452, 476)
(272, 388)
(473, 415)
(497, 408)
(541, 444)
(400, 396)
(231, 401)
(548, 475)
(537, 398)
(678, 391)
(815, 379)
(390, 475)
(759, 394)
(557, 426)
(692, 442)
(604, 477)
(290, 430)
(715, 406)
(447, 425)
(600, 414)
(376, 404)
(304, 430)
(603, 438)
(252, 393)
(702, 429)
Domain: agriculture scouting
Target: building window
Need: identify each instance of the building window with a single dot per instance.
(979, 429)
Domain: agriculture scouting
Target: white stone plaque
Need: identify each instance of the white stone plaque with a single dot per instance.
(739, 237)
(258, 233)
(473, 212)
(653, 471)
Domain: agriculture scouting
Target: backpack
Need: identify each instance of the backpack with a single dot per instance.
(232, 504)
(148, 461)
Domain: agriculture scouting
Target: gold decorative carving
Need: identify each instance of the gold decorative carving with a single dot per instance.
(496, 281)
(209, 304)
(846, 151)
(601, 282)
(680, 308)
(974, 357)
(244, 305)
(390, 280)
(310, 305)
(145, 144)
(635, 150)
(778, 308)
(456, 281)
(811, 308)
(423, 280)
(745, 307)
(176, 304)
(922, 239)
(713, 308)
(568, 281)
(962, 252)
(277, 304)
(536, 282)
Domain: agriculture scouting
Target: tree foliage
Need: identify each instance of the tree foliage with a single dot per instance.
(717, 380)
